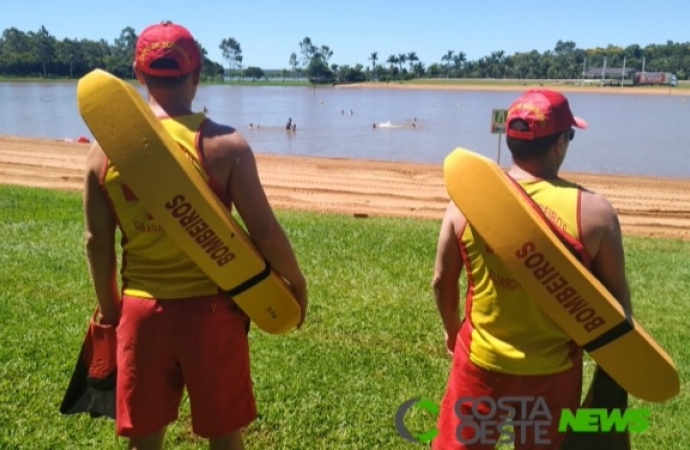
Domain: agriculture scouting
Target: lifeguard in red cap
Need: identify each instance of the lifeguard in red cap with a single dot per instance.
(508, 356)
(175, 330)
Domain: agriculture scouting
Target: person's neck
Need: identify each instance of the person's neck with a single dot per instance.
(532, 172)
(171, 107)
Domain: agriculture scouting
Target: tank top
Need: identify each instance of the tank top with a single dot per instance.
(153, 266)
(505, 331)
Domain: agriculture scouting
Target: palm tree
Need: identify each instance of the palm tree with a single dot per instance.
(373, 58)
(459, 60)
(392, 60)
(418, 69)
(496, 67)
(447, 58)
(402, 59)
(412, 58)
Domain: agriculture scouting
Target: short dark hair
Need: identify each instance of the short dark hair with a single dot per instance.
(522, 149)
(165, 82)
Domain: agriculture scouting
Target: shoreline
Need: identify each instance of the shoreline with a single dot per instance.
(459, 84)
(23, 141)
(648, 206)
(519, 87)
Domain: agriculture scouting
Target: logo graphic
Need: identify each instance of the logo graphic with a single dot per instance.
(421, 438)
(489, 421)
(593, 420)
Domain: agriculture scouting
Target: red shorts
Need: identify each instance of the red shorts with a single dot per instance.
(559, 390)
(164, 346)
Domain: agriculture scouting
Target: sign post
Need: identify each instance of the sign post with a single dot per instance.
(498, 126)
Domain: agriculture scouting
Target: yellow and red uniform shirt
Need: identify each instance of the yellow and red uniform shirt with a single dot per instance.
(505, 331)
(153, 266)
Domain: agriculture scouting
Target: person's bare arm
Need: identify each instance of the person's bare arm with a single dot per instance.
(267, 234)
(99, 227)
(603, 240)
(447, 270)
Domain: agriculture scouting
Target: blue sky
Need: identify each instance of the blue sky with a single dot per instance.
(270, 30)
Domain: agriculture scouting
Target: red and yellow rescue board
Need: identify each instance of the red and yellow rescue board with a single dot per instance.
(560, 284)
(172, 190)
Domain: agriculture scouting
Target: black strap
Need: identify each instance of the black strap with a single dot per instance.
(251, 282)
(611, 335)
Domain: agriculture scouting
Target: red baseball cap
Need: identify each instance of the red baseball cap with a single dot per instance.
(167, 41)
(545, 112)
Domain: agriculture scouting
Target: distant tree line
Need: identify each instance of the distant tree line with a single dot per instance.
(40, 54)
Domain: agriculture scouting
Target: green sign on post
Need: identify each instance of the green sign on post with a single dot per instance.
(498, 126)
(498, 121)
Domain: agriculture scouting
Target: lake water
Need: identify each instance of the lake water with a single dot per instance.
(627, 134)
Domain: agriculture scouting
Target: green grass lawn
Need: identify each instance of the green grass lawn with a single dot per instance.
(372, 339)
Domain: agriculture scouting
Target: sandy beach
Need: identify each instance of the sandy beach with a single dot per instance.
(516, 86)
(651, 207)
